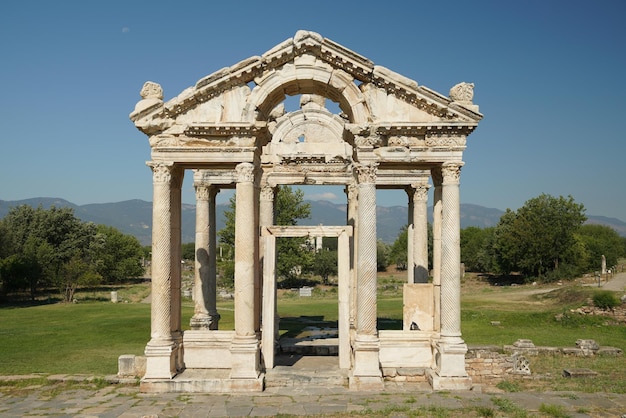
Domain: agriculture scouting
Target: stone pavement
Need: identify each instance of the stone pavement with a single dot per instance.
(68, 396)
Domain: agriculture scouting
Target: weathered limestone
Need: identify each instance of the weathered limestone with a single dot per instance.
(205, 283)
(232, 129)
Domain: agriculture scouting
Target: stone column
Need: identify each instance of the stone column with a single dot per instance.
(437, 181)
(410, 229)
(176, 242)
(352, 195)
(245, 345)
(366, 372)
(450, 367)
(205, 283)
(270, 318)
(451, 253)
(160, 350)
(420, 233)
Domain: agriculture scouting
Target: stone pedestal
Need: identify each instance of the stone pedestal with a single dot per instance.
(366, 374)
(245, 358)
(449, 372)
(160, 361)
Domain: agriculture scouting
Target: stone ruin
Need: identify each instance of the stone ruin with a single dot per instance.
(232, 131)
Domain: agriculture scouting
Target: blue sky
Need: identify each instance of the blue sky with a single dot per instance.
(550, 79)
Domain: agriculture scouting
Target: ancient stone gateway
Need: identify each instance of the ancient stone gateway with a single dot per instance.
(233, 131)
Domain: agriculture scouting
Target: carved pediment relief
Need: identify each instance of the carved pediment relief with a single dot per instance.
(304, 64)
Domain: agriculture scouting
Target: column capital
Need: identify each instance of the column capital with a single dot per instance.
(451, 172)
(419, 191)
(205, 191)
(366, 172)
(268, 193)
(162, 172)
(245, 173)
(352, 191)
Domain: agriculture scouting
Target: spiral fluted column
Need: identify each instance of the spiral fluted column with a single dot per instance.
(366, 372)
(451, 252)
(160, 357)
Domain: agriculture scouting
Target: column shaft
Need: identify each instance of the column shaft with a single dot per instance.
(420, 234)
(451, 253)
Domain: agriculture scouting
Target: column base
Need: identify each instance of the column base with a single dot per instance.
(450, 357)
(366, 374)
(161, 360)
(245, 358)
(210, 322)
(448, 383)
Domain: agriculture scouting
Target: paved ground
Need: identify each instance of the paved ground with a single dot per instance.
(70, 397)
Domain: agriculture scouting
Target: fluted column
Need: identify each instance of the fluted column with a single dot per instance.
(352, 193)
(366, 372)
(420, 233)
(437, 181)
(450, 370)
(451, 252)
(160, 357)
(176, 282)
(244, 349)
(205, 282)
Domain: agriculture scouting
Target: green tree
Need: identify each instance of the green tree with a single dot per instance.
(77, 272)
(325, 264)
(601, 240)
(188, 251)
(294, 255)
(382, 256)
(398, 251)
(540, 236)
(117, 256)
(475, 244)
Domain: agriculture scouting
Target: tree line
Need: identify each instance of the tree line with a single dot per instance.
(546, 239)
(52, 248)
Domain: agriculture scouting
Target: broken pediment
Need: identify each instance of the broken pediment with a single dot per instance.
(305, 64)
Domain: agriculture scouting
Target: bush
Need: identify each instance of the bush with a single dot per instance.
(605, 299)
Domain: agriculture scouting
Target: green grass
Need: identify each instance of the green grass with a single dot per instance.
(88, 337)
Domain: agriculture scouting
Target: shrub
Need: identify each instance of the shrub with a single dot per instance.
(605, 299)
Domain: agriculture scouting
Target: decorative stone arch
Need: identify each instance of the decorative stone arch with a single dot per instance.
(335, 85)
(230, 130)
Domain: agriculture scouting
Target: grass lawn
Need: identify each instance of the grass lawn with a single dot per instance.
(87, 337)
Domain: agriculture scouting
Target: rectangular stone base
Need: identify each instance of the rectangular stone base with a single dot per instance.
(203, 381)
(448, 383)
(366, 383)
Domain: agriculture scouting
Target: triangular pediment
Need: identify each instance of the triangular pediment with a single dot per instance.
(307, 63)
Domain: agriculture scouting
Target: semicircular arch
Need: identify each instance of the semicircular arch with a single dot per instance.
(334, 84)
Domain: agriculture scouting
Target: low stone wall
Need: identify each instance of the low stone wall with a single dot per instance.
(489, 365)
(617, 314)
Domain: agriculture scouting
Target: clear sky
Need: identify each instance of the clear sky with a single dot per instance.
(550, 79)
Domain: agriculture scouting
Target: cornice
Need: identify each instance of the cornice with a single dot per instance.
(336, 55)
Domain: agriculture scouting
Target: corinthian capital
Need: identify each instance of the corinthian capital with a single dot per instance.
(420, 192)
(162, 172)
(366, 173)
(451, 172)
(267, 193)
(245, 173)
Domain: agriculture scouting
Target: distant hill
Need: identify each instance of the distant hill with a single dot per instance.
(134, 217)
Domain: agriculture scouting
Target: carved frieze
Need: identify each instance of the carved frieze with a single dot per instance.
(445, 140)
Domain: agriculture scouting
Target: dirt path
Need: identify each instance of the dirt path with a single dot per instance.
(617, 283)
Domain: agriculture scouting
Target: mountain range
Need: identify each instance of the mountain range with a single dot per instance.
(134, 217)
